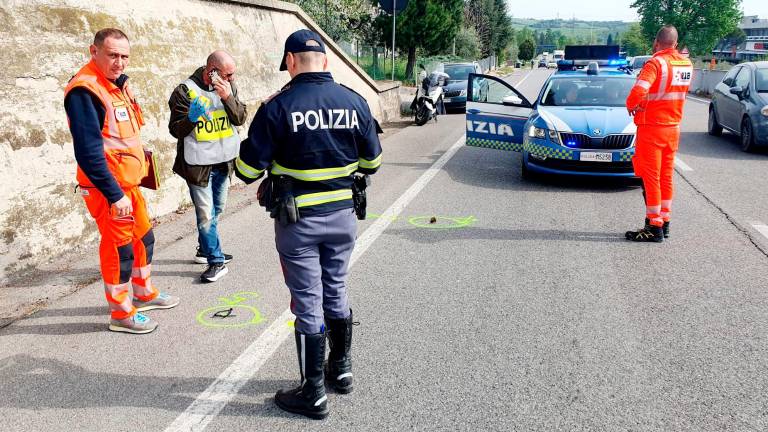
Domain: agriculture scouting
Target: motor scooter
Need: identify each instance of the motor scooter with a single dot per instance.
(428, 102)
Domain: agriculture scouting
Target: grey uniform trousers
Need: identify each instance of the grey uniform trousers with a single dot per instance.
(314, 254)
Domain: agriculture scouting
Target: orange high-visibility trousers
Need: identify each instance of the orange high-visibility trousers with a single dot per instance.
(654, 163)
(125, 252)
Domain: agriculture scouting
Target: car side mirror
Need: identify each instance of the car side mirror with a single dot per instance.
(737, 90)
(511, 100)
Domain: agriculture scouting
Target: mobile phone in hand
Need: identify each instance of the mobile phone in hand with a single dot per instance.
(214, 75)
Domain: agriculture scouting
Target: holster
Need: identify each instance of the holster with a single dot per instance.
(359, 200)
(265, 194)
(275, 194)
(286, 211)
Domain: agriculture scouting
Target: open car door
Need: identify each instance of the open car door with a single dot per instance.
(496, 114)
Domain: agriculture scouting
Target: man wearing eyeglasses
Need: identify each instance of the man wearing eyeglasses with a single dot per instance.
(204, 112)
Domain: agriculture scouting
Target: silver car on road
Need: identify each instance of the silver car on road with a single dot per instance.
(740, 105)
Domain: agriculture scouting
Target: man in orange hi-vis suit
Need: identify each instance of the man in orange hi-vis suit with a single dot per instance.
(656, 102)
(105, 119)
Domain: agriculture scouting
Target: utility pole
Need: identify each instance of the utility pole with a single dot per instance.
(394, 22)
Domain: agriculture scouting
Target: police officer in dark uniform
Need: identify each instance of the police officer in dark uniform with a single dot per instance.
(311, 138)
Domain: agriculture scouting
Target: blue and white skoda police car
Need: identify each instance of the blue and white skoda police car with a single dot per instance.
(577, 125)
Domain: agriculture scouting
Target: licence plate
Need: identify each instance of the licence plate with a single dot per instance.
(596, 157)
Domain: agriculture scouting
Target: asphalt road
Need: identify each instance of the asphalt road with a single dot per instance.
(522, 308)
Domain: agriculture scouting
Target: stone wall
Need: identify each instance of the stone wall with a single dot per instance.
(44, 42)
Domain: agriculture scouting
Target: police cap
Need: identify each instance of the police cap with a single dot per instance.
(297, 42)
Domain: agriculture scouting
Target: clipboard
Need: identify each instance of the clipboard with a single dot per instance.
(152, 179)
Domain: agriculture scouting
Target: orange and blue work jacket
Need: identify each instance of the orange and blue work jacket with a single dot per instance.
(120, 119)
(660, 90)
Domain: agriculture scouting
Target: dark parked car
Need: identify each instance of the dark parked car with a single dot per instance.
(740, 105)
(455, 93)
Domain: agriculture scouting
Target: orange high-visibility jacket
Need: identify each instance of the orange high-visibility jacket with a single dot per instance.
(660, 89)
(123, 120)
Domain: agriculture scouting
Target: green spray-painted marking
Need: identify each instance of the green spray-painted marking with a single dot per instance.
(441, 222)
(230, 313)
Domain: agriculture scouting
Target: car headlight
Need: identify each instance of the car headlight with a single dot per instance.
(554, 136)
(764, 111)
(542, 133)
(463, 92)
(537, 132)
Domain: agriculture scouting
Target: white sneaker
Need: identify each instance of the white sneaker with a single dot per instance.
(137, 324)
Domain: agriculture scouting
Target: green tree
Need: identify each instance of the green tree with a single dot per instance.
(523, 34)
(634, 42)
(526, 50)
(337, 18)
(430, 25)
(700, 24)
(609, 41)
(502, 32)
(492, 24)
(467, 44)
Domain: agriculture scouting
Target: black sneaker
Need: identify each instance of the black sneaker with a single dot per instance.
(664, 228)
(203, 259)
(214, 272)
(649, 233)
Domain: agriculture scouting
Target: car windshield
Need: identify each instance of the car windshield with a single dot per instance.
(459, 72)
(587, 91)
(638, 62)
(761, 80)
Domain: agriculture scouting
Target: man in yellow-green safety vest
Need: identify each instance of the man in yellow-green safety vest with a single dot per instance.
(204, 112)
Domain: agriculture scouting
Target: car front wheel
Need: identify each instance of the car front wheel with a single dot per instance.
(713, 127)
(747, 135)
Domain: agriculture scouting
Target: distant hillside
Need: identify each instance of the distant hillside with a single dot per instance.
(597, 31)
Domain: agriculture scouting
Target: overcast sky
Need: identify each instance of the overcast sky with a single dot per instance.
(601, 9)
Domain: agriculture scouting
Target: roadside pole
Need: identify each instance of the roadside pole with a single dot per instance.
(394, 21)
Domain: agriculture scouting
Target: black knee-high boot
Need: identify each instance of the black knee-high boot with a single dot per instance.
(309, 398)
(339, 373)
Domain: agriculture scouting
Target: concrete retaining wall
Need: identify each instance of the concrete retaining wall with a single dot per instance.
(45, 42)
(705, 80)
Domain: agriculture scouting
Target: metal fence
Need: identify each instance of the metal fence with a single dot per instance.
(488, 63)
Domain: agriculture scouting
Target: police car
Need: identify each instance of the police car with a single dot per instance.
(577, 125)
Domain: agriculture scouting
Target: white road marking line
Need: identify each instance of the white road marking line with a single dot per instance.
(374, 231)
(682, 165)
(524, 78)
(210, 403)
(761, 228)
(700, 100)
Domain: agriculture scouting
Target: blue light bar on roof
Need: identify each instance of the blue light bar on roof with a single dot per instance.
(618, 62)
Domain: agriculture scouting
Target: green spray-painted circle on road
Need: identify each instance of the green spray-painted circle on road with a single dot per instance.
(205, 316)
(441, 222)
